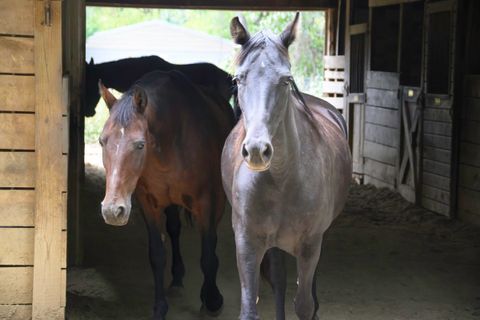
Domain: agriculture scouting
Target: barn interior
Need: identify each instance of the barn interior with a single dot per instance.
(406, 75)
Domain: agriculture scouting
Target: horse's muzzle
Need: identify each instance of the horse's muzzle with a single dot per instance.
(116, 215)
(257, 154)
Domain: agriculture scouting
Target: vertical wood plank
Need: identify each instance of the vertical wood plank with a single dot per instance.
(50, 176)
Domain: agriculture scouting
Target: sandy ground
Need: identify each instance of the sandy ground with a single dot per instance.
(382, 259)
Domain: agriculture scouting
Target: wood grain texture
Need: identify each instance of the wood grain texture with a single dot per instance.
(48, 286)
(17, 93)
(382, 98)
(17, 208)
(16, 247)
(17, 169)
(16, 55)
(438, 168)
(380, 171)
(382, 80)
(334, 62)
(15, 312)
(382, 135)
(437, 141)
(16, 285)
(382, 116)
(438, 128)
(17, 131)
(436, 114)
(17, 17)
(436, 206)
(436, 154)
(333, 87)
(377, 183)
(434, 180)
(379, 152)
(436, 194)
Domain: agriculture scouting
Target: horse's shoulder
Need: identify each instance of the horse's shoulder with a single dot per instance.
(324, 111)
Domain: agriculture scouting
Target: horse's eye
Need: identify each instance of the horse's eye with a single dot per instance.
(140, 145)
(100, 141)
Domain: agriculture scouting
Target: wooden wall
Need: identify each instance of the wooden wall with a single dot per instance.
(32, 163)
(17, 158)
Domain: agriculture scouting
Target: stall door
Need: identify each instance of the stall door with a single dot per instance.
(381, 126)
(410, 100)
(437, 117)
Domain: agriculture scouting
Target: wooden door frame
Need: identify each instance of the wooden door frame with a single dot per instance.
(49, 272)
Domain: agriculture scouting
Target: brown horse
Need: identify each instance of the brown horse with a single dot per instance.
(163, 141)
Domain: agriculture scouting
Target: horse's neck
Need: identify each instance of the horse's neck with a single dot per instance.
(114, 77)
(287, 140)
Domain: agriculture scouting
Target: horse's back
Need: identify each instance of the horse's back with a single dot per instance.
(327, 110)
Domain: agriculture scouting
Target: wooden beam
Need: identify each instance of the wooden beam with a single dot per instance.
(276, 5)
(48, 285)
(381, 3)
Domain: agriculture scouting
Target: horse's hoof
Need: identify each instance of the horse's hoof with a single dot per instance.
(175, 292)
(211, 313)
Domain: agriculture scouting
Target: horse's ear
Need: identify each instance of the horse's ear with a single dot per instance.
(91, 61)
(106, 95)
(238, 30)
(140, 99)
(290, 33)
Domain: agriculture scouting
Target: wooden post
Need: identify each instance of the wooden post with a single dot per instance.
(51, 164)
(331, 32)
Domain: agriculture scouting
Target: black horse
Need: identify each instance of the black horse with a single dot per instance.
(122, 74)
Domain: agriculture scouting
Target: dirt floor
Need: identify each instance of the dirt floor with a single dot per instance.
(382, 259)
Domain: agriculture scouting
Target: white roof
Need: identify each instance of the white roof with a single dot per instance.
(173, 43)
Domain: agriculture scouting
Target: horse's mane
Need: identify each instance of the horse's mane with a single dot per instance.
(259, 41)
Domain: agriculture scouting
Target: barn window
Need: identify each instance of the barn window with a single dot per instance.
(357, 63)
(411, 56)
(385, 29)
(438, 68)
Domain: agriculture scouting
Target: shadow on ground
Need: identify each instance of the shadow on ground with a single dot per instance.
(382, 259)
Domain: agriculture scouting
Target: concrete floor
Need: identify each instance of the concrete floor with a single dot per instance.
(382, 259)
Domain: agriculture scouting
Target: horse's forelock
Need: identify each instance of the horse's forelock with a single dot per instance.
(259, 41)
(124, 110)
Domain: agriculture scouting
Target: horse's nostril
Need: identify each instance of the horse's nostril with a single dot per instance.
(244, 151)
(267, 152)
(120, 212)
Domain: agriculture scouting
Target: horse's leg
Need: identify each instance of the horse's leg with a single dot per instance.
(211, 298)
(314, 294)
(307, 261)
(249, 257)
(157, 255)
(173, 229)
(273, 269)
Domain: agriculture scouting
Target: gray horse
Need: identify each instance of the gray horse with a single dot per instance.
(286, 170)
